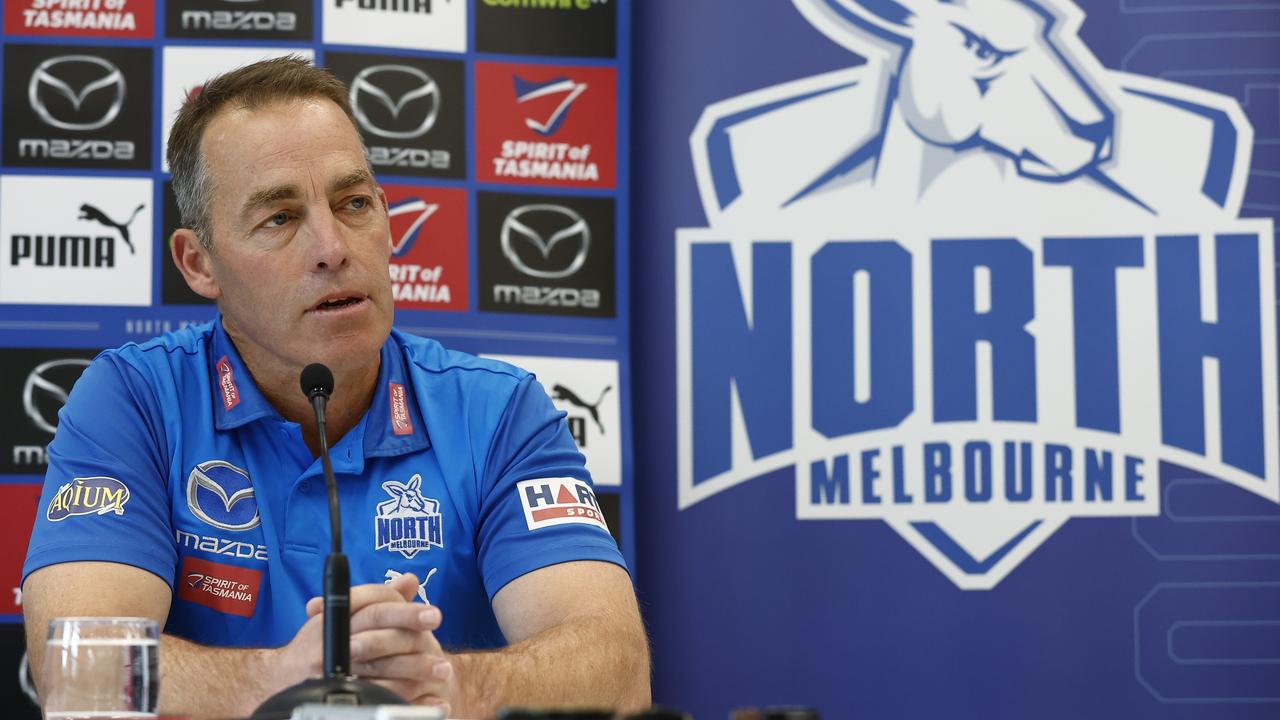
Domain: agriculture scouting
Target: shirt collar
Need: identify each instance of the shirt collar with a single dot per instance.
(236, 398)
(393, 423)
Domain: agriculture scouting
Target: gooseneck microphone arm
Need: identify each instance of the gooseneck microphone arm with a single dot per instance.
(337, 687)
(317, 383)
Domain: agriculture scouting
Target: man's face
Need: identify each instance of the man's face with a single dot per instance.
(300, 237)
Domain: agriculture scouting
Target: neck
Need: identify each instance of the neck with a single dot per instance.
(351, 398)
(907, 163)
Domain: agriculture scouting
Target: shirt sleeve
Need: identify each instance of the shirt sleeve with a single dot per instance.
(538, 506)
(105, 494)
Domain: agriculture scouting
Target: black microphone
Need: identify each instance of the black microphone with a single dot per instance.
(338, 686)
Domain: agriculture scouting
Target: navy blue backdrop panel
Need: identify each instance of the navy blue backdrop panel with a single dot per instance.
(498, 129)
(957, 327)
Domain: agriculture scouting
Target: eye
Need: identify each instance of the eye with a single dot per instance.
(983, 50)
(359, 203)
(278, 219)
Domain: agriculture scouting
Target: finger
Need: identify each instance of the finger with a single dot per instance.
(446, 710)
(384, 642)
(421, 667)
(362, 595)
(403, 688)
(406, 616)
(406, 585)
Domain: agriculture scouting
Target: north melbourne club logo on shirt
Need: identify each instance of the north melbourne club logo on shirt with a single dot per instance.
(409, 522)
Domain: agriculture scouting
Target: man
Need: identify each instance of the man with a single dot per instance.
(183, 483)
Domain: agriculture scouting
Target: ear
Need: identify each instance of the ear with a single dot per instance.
(415, 482)
(883, 17)
(194, 262)
(393, 488)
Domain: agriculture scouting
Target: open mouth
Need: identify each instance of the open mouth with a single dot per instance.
(339, 303)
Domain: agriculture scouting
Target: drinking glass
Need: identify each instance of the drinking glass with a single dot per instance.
(100, 667)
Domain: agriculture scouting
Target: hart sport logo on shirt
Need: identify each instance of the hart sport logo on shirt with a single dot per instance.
(409, 522)
(546, 125)
(974, 287)
(559, 501)
(428, 247)
(80, 18)
(88, 496)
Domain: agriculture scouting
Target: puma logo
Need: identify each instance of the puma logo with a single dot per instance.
(89, 212)
(560, 392)
(422, 586)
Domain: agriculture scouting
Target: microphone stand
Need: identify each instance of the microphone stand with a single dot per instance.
(338, 686)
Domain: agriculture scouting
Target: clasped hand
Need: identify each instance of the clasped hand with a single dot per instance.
(392, 642)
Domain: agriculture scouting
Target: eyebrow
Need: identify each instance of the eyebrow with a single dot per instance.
(269, 196)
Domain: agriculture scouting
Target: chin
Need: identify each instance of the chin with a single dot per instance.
(354, 351)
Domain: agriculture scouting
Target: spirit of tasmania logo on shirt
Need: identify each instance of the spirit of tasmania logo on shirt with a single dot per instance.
(225, 588)
(227, 382)
(557, 501)
(401, 423)
(409, 522)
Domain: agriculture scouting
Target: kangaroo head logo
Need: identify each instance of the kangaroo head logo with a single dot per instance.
(988, 73)
(406, 497)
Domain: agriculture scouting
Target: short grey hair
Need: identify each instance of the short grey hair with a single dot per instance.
(251, 86)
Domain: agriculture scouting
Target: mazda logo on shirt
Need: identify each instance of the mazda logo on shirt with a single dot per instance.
(545, 241)
(221, 494)
(395, 101)
(46, 390)
(76, 92)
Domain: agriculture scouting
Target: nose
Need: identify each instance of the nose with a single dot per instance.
(328, 246)
(1097, 133)
(1078, 107)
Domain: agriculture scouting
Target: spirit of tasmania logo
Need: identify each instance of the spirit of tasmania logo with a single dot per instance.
(975, 287)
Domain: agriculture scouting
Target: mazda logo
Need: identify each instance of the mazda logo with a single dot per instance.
(46, 390)
(410, 114)
(55, 82)
(221, 494)
(531, 234)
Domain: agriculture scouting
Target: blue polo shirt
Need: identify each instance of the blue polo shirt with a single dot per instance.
(168, 458)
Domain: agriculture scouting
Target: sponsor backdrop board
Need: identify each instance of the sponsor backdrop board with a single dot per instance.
(969, 313)
(466, 106)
